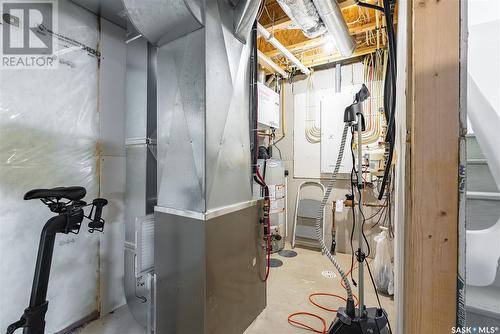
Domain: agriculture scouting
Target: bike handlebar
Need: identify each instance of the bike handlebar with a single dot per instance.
(97, 223)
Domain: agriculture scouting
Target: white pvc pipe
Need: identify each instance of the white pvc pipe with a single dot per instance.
(265, 60)
(267, 35)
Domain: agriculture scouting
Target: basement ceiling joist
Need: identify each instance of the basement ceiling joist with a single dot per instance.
(367, 26)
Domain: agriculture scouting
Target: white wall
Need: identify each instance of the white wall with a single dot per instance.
(48, 135)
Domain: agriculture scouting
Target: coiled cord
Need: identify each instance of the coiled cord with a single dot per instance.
(319, 217)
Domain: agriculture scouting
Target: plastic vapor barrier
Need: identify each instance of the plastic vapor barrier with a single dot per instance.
(48, 138)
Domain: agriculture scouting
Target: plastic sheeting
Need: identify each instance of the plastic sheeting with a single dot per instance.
(305, 16)
(383, 269)
(48, 137)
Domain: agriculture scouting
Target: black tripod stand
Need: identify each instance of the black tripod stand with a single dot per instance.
(69, 219)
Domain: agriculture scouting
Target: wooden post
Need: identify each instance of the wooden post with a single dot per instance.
(431, 229)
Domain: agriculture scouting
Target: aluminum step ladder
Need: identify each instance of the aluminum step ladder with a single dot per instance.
(306, 211)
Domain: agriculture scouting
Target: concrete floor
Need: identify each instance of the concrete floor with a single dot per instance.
(288, 291)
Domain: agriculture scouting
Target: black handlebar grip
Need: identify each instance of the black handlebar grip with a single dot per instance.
(99, 203)
(97, 222)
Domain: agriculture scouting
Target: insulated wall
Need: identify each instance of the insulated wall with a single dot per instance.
(112, 163)
(49, 126)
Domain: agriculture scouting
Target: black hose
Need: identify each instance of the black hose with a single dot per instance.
(392, 65)
(389, 95)
(253, 101)
(353, 172)
(368, 5)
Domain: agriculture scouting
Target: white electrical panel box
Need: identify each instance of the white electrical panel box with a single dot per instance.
(268, 106)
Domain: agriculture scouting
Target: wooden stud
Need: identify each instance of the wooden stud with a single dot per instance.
(432, 195)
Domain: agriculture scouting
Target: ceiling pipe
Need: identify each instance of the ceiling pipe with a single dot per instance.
(267, 35)
(266, 61)
(332, 17)
(304, 14)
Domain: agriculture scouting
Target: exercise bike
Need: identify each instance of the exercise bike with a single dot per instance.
(70, 215)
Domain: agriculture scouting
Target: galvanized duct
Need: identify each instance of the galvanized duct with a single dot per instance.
(245, 13)
(331, 15)
(200, 127)
(162, 21)
(303, 13)
(317, 17)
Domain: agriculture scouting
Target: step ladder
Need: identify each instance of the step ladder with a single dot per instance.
(304, 222)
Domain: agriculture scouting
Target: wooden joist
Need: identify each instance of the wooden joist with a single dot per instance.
(319, 41)
(365, 26)
(285, 22)
(312, 61)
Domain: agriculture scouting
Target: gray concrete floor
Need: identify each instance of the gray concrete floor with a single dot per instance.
(288, 291)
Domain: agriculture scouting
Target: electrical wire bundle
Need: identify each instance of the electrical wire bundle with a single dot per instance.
(312, 132)
(389, 89)
(266, 222)
(361, 257)
(374, 68)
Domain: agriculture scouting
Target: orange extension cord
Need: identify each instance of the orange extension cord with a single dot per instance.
(302, 325)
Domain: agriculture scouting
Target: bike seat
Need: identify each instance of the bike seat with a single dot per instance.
(71, 193)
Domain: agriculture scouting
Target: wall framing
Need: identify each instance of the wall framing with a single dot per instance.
(431, 199)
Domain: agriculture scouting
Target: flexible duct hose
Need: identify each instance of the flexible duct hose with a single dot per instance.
(319, 217)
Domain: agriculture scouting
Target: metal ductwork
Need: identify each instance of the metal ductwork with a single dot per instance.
(112, 10)
(332, 17)
(205, 207)
(318, 17)
(245, 13)
(304, 14)
(162, 21)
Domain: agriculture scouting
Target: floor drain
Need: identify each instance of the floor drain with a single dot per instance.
(287, 253)
(275, 263)
(328, 274)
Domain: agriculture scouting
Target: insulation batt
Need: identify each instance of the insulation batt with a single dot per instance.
(304, 14)
(49, 130)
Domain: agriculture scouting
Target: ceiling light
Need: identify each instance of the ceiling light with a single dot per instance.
(329, 46)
